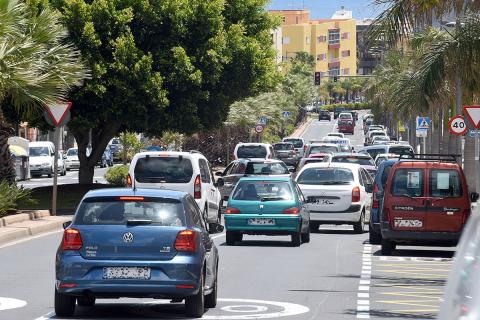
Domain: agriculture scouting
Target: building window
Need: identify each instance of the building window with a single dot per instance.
(321, 39)
(283, 19)
(307, 40)
(346, 71)
(286, 40)
(334, 72)
(346, 35)
(346, 53)
(333, 37)
(321, 57)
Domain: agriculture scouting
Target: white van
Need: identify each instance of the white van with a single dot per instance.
(182, 171)
(41, 158)
(253, 151)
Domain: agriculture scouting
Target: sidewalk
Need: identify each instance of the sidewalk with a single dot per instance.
(30, 223)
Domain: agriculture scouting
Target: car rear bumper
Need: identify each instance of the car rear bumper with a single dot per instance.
(40, 171)
(87, 277)
(72, 165)
(283, 223)
(419, 237)
(352, 214)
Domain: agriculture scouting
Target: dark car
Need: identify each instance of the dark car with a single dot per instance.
(324, 115)
(337, 111)
(139, 243)
(378, 189)
(285, 152)
(426, 202)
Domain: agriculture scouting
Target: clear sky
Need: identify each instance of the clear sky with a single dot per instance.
(325, 8)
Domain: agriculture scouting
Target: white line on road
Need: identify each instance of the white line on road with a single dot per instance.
(46, 316)
(363, 304)
(30, 238)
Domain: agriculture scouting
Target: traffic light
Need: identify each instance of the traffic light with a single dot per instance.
(335, 79)
(317, 78)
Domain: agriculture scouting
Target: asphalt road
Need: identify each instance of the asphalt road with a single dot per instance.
(70, 177)
(338, 275)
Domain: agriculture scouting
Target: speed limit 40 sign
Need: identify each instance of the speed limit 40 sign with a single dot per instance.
(457, 126)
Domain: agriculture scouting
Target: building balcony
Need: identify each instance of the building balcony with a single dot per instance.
(334, 63)
(334, 45)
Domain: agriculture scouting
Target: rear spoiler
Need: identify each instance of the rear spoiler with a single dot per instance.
(428, 157)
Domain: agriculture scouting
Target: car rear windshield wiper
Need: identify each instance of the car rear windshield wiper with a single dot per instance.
(138, 222)
(408, 196)
(335, 182)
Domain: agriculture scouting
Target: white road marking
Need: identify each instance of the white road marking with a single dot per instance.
(245, 308)
(363, 305)
(11, 303)
(30, 238)
(218, 236)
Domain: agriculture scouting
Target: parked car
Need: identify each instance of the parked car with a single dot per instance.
(337, 111)
(41, 158)
(183, 171)
(324, 115)
(337, 193)
(71, 159)
(237, 169)
(116, 148)
(62, 167)
(285, 151)
(106, 159)
(364, 160)
(426, 201)
(254, 151)
(267, 206)
(299, 144)
(139, 244)
(322, 148)
(383, 170)
(397, 149)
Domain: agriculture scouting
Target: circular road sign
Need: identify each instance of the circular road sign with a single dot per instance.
(259, 128)
(457, 125)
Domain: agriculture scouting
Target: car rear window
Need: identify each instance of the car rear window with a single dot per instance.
(408, 183)
(283, 146)
(38, 151)
(326, 176)
(400, 150)
(374, 152)
(316, 160)
(163, 170)
(346, 116)
(72, 152)
(322, 149)
(114, 211)
(298, 143)
(356, 160)
(266, 168)
(252, 152)
(263, 191)
(445, 183)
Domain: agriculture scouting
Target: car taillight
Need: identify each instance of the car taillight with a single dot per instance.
(231, 210)
(385, 214)
(356, 194)
(186, 241)
(197, 188)
(466, 214)
(129, 180)
(293, 210)
(375, 197)
(71, 240)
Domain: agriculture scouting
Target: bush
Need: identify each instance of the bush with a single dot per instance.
(117, 175)
(10, 196)
(351, 106)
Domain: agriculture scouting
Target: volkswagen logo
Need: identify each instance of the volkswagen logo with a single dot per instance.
(128, 237)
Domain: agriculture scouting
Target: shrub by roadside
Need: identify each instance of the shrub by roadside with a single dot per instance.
(10, 197)
(352, 106)
(117, 175)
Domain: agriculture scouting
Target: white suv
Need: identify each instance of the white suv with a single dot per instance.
(182, 171)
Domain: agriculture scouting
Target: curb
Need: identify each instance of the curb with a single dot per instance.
(29, 223)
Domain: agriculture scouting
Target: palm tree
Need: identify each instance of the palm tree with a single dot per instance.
(38, 66)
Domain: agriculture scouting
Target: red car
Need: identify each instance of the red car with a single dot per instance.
(426, 201)
(346, 126)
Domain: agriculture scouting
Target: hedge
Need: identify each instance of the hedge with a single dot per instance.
(352, 106)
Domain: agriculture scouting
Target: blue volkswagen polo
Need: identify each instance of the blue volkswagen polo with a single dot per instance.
(140, 243)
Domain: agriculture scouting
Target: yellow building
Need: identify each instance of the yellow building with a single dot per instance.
(332, 42)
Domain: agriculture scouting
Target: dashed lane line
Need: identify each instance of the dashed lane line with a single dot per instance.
(363, 295)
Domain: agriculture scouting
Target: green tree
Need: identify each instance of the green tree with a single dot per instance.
(38, 66)
(130, 145)
(164, 65)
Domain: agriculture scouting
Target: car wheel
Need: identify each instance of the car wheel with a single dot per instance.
(49, 175)
(231, 238)
(387, 247)
(68, 169)
(195, 305)
(64, 305)
(86, 301)
(211, 299)
(306, 236)
(296, 239)
(374, 237)
(359, 226)
(313, 226)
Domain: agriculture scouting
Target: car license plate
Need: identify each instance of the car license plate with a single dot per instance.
(321, 202)
(261, 222)
(126, 273)
(408, 223)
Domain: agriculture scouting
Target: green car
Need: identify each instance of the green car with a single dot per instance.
(267, 206)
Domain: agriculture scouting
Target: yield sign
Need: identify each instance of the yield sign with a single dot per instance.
(473, 113)
(58, 111)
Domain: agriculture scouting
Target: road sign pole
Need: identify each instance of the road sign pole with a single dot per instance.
(477, 162)
(56, 136)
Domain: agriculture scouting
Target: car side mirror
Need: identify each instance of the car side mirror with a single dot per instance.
(66, 224)
(219, 173)
(474, 196)
(216, 228)
(220, 182)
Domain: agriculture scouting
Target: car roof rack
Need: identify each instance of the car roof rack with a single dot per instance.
(428, 157)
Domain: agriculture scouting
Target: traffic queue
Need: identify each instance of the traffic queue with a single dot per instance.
(153, 238)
